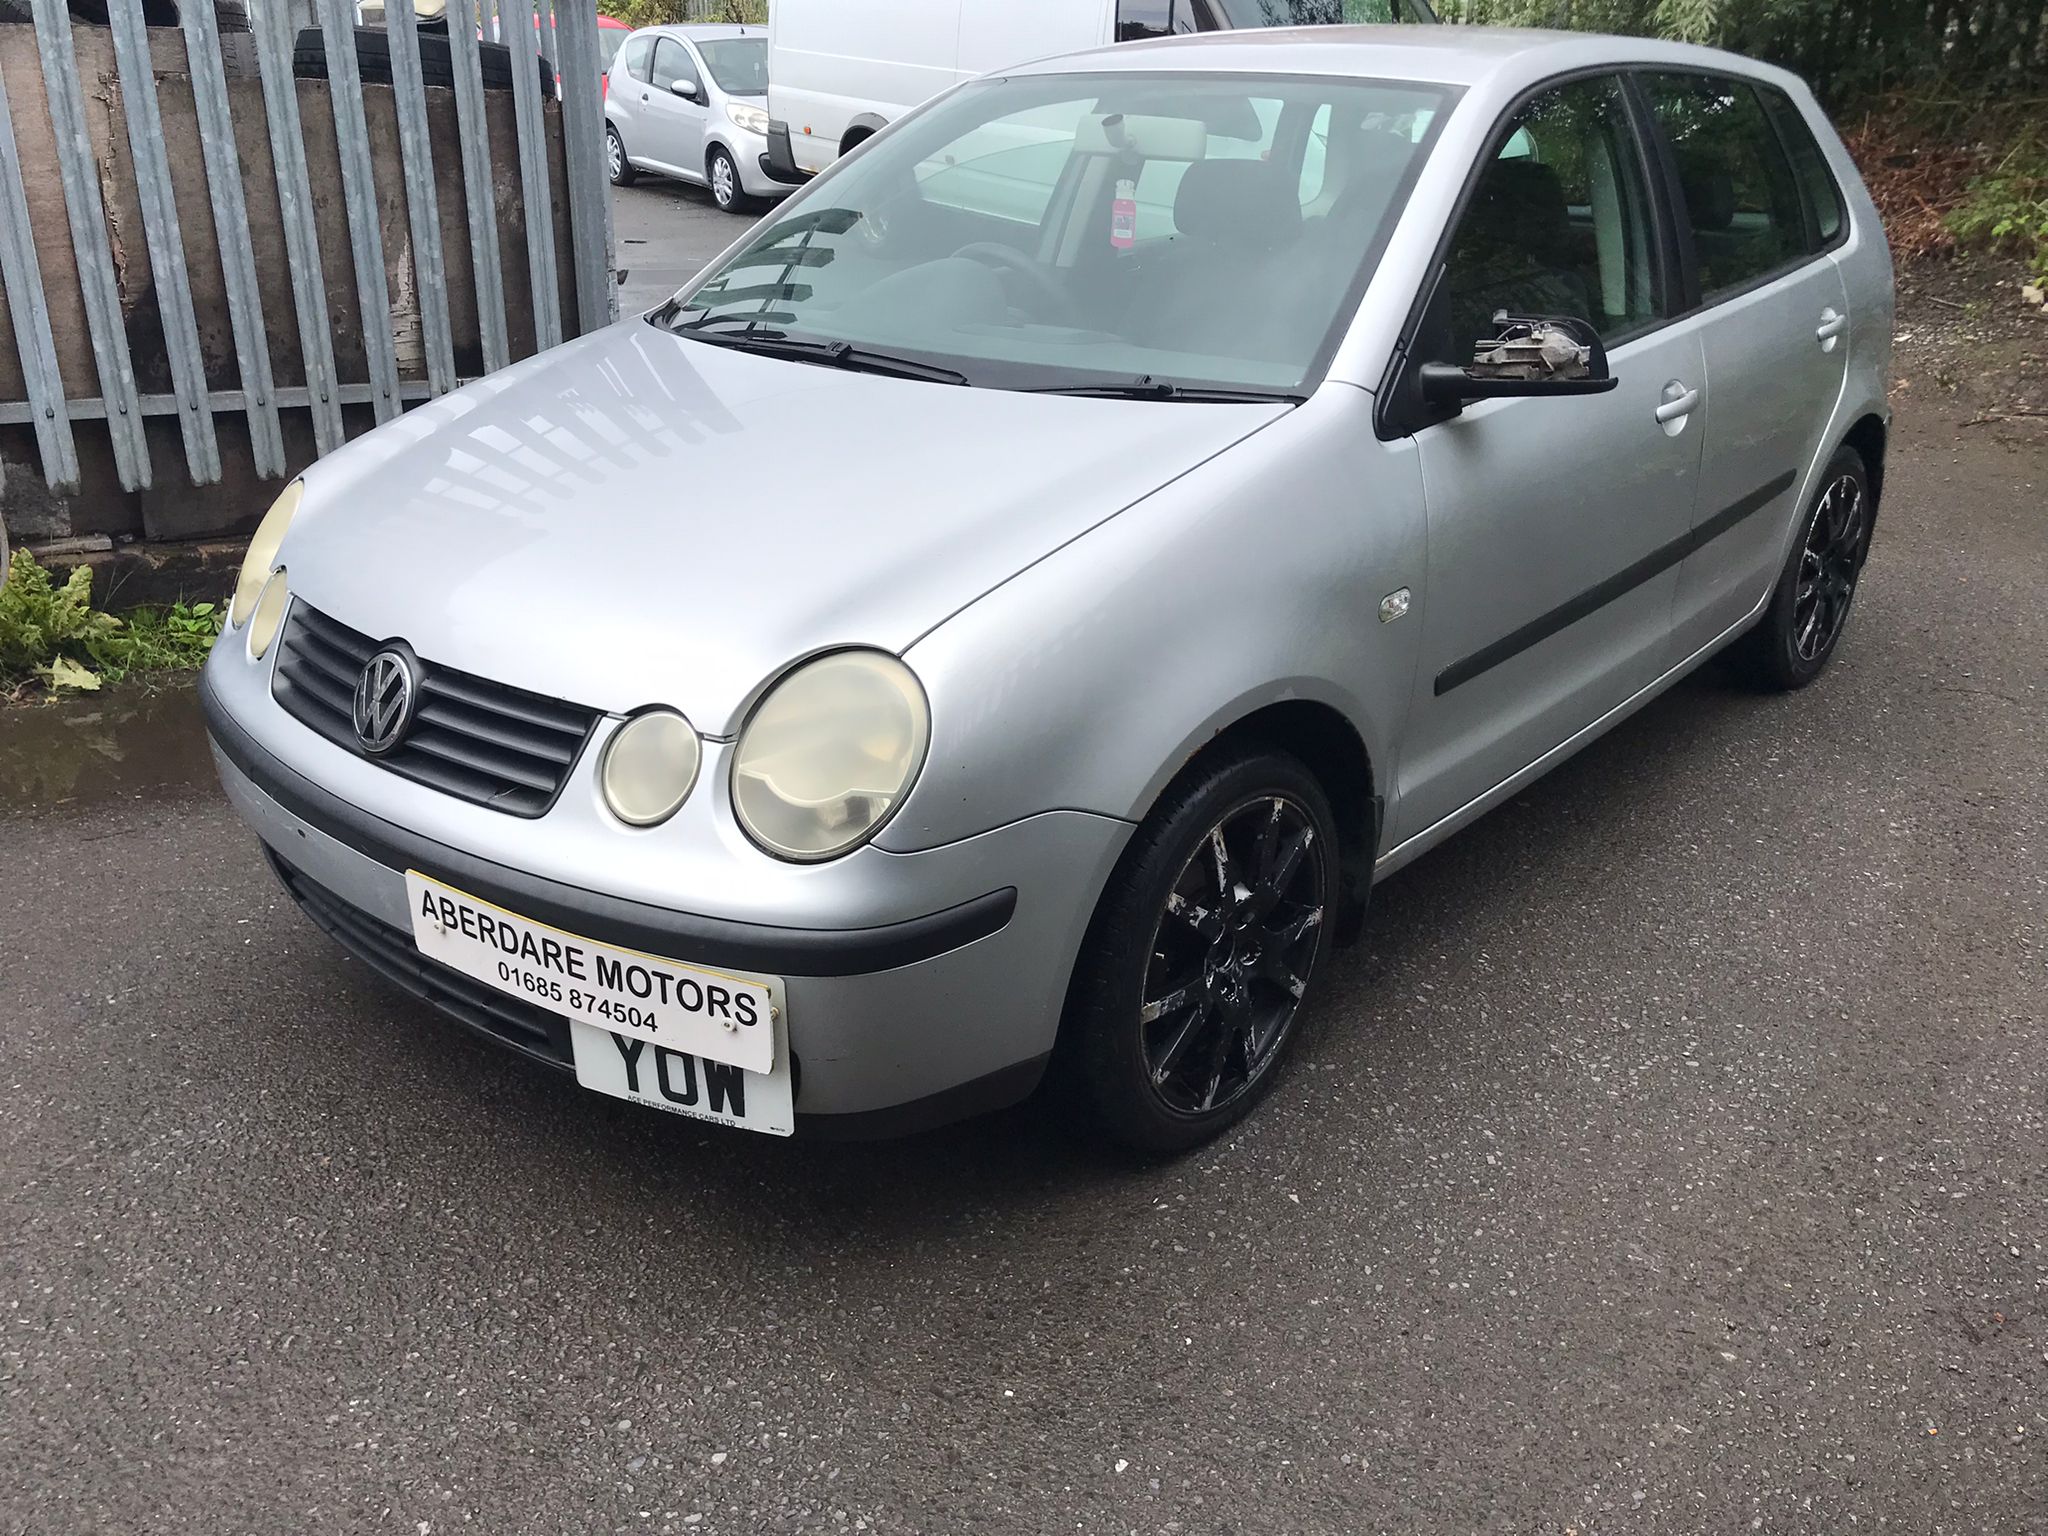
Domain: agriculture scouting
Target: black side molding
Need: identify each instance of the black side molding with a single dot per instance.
(1619, 584)
(611, 919)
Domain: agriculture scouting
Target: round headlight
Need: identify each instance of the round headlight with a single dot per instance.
(269, 614)
(262, 555)
(649, 767)
(828, 754)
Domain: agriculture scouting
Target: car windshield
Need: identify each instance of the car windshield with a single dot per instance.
(609, 41)
(738, 64)
(1045, 232)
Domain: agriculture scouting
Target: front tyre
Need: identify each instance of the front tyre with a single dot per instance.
(723, 176)
(1189, 983)
(615, 162)
(1792, 642)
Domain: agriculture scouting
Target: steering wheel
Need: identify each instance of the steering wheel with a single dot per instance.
(1006, 259)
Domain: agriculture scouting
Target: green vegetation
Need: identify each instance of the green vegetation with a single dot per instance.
(2008, 205)
(53, 639)
(652, 13)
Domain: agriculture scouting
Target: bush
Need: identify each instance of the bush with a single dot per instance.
(2008, 205)
(53, 636)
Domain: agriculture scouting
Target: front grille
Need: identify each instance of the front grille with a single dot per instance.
(471, 738)
(391, 953)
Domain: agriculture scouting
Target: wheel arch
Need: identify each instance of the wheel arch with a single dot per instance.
(1332, 748)
(1868, 437)
(860, 130)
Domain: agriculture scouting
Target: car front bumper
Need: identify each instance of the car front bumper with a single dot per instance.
(895, 1024)
(747, 152)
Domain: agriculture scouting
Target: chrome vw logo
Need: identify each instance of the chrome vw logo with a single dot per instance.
(385, 695)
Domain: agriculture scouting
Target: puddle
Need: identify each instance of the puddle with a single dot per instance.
(141, 739)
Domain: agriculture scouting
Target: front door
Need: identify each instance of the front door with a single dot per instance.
(1555, 525)
(675, 124)
(1775, 316)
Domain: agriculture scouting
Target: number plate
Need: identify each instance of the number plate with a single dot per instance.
(709, 1014)
(659, 1077)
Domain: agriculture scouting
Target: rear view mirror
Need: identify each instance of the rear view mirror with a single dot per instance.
(1525, 355)
(687, 89)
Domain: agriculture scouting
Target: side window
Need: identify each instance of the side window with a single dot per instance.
(1006, 169)
(1143, 18)
(1816, 182)
(672, 63)
(1738, 186)
(1559, 223)
(635, 56)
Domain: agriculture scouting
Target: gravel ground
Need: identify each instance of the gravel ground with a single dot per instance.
(1670, 1159)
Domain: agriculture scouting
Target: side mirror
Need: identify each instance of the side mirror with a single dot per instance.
(1526, 355)
(687, 89)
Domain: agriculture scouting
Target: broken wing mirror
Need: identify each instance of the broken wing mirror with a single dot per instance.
(687, 89)
(1523, 355)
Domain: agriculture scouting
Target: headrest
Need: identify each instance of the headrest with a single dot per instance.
(1367, 160)
(1521, 202)
(1709, 196)
(1237, 202)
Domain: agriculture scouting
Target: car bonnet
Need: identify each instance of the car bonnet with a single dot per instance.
(637, 518)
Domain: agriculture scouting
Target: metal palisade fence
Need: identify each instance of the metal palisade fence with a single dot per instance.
(559, 285)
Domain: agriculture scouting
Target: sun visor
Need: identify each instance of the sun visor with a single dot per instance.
(1149, 138)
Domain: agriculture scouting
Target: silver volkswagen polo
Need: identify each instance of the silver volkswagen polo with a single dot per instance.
(1004, 615)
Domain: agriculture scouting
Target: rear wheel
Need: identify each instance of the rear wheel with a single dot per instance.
(1191, 979)
(722, 174)
(1793, 641)
(616, 164)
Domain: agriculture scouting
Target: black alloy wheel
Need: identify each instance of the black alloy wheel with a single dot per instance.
(1791, 644)
(1192, 979)
(1829, 559)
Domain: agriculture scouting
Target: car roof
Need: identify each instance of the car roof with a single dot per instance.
(1445, 55)
(706, 31)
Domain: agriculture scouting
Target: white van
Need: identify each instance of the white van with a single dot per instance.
(841, 70)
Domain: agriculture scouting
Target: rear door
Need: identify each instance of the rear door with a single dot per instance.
(626, 90)
(1775, 319)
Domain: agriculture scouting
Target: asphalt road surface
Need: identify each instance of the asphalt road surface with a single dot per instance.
(662, 233)
(1670, 1159)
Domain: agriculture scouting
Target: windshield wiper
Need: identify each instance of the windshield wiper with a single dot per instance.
(1145, 387)
(770, 342)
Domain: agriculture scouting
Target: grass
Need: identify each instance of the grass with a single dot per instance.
(54, 641)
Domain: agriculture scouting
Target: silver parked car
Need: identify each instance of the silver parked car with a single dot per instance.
(1008, 611)
(692, 102)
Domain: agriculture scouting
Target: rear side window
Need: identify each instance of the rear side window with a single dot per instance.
(1739, 189)
(1816, 182)
(634, 56)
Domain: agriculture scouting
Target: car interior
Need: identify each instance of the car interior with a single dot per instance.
(1232, 208)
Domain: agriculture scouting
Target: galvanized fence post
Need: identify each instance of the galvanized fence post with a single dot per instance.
(22, 280)
(474, 123)
(93, 256)
(165, 239)
(590, 201)
(231, 231)
(523, 20)
(274, 38)
(423, 209)
(359, 194)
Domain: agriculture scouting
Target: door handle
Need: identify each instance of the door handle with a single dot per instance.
(1681, 405)
(1831, 325)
